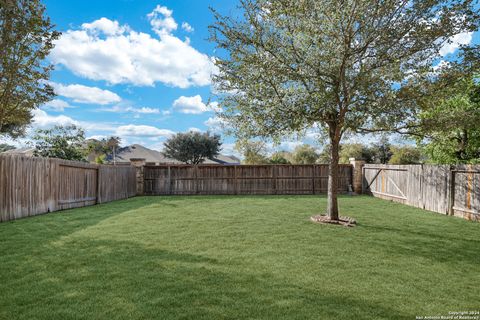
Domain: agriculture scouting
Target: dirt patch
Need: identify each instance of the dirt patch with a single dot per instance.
(343, 221)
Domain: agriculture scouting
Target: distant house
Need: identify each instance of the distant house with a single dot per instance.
(153, 157)
(26, 152)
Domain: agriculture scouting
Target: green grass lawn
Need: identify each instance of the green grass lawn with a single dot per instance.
(238, 258)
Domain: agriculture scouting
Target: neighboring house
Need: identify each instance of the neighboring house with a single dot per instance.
(26, 152)
(136, 151)
(226, 160)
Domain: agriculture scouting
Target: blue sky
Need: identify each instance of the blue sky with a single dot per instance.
(140, 69)
(136, 69)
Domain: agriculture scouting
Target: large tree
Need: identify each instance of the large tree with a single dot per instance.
(286, 66)
(447, 125)
(26, 38)
(62, 142)
(192, 147)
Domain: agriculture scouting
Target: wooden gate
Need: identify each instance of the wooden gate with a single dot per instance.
(386, 182)
(423, 186)
(465, 191)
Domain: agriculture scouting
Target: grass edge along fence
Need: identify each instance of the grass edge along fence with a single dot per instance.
(31, 186)
(242, 179)
(451, 190)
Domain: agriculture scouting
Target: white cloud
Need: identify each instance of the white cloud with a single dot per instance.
(162, 21)
(106, 26)
(142, 110)
(193, 129)
(145, 110)
(43, 120)
(187, 27)
(229, 149)
(455, 42)
(105, 50)
(83, 94)
(56, 105)
(193, 105)
(216, 124)
(142, 131)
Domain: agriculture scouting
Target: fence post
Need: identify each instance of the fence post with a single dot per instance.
(169, 179)
(195, 168)
(274, 176)
(451, 198)
(97, 190)
(357, 175)
(139, 164)
(235, 186)
(314, 170)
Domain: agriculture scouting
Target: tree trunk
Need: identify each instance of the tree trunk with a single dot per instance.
(332, 203)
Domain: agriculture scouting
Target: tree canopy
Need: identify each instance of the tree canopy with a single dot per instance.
(26, 38)
(62, 142)
(406, 155)
(292, 65)
(304, 154)
(449, 110)
(192, 147)
(254, 152)
(100, 149)
(281, 157)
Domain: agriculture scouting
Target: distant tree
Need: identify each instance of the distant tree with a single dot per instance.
(62, 142)
(100, 149)
(324, 155)
(100, 159)
(192, 147)
(290, 65)
(97, 148)
(5, 147)
(113, 143)
(254, 152)
(281, 157)
(406, 155)
(305, 154)
(381, 150)
(26, 38)
(355, 150)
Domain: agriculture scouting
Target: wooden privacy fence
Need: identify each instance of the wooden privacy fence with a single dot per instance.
(453, 190)
(32, 186)
(244, 179)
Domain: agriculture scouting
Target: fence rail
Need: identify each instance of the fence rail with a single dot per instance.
(245, 179)
(453, 190)
(32, 186)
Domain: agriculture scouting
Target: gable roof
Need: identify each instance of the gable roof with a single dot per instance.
(27, 152)
(137, 151)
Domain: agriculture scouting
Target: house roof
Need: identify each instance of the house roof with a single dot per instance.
(27, 152)
(137, 151)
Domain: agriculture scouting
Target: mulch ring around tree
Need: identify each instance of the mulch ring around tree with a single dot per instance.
(343, 221)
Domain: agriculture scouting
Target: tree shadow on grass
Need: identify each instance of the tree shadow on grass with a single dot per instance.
(92, 279)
